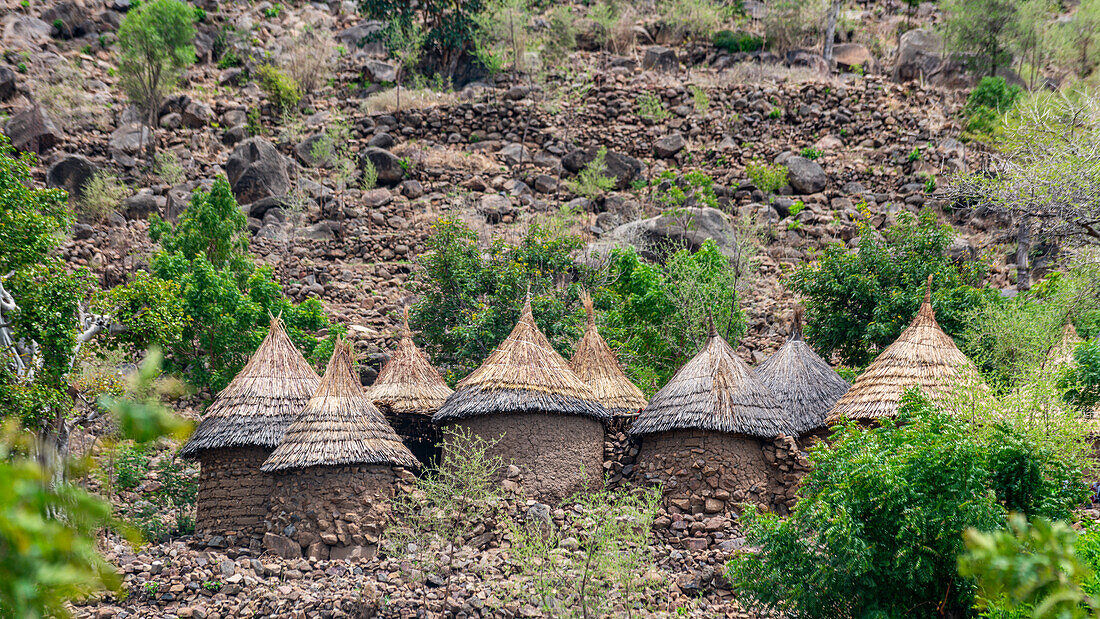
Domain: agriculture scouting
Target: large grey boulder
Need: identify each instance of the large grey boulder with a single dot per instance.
(256, 170)
(918, 54)
(689, 228)
(660, 58)
(25, 32)
(623, 168)
(32, 130)
(385, 164)
(71, 173)
(130, 139)
(7, 83)
(68, 20)
(805, 175)
(667, 146)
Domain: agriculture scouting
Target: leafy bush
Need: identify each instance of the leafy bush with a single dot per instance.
(878, 528)
(450, 27)
(103, 195)
(987, 104)
(155, 46)
(695, 18)
(651, 107)
(592, 181)
(858, 301)
(282, 90)
(1082, 382)
(734, 42)
(810, 153)
(767, 178)
(131, 465)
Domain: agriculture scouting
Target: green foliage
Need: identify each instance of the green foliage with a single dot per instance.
(592, 181)
(734, 42)
(1076, 39)
(1082, 381)
(503, 34)
(810, 153)
(651, 107)
(449, 26)
(226, 299)
(858, 302)
(675, 192)
(282, 90)
(155, 46)
(699, 100)
(987, 104)
(131, 465)
(697, 19)
(167, 167)
(31, 220)
(102, 196)
(767, 178)
(878, 528)
(982, 29)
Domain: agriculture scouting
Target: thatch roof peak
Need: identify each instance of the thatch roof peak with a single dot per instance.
(923, 356)
(803, 383)
(339, 425)
(715, 391)
(262, 399)
(408, 383)
(523, 374)
(596, 364)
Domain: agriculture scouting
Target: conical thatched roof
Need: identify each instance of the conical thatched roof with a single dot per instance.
(339, 425)
(263, 399)
(716, 391)
(803, 383)
(408, 383)
(523, 375)
(923, 356)
(595, 363)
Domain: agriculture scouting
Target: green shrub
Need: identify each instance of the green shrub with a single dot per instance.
(767, 178)
(858, 301)
(987, 104)
(651, 107)
(450, 27)
(592, 181)
(131, 465)
(700, 100)
(103, 195)
(282, 90)
(879, 525)
(810, 153)
(1082, 381)
(734, 42)
(155, 46)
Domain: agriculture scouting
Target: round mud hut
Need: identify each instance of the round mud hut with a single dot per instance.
(409, 391)
(923, 356)
(537, 413)
(704, 434)
(238, 432)
(803, 383)
(337, 467)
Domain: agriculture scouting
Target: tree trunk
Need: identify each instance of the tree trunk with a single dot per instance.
(1023, 268)
(830, 32)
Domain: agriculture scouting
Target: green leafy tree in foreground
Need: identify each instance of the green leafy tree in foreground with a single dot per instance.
(858, 302)
(155, 46)
(879, 525)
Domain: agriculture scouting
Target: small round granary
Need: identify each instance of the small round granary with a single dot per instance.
(337, 467)
(803, 383)
(238, 432)
(409, 391)
(703, 435)
(537, 413)
(924, 357)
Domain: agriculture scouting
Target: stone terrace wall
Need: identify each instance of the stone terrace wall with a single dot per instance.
(331, 511)
(557, 454)
(233, 492)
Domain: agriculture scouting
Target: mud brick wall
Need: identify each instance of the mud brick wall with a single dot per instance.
(233, 492)
(557, 455)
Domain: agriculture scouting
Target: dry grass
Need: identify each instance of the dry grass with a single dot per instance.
(66, 97)
(102, 196)
(308, 57)
(596, 364)
(757, 73)
(447, 158)
(385, 102)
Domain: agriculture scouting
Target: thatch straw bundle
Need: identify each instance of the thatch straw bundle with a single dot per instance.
(339, 425)
(923, 356)
(408, 383)
(803, 383)
(523, 375)
(263, 399)
(715, 391)
(595, 363)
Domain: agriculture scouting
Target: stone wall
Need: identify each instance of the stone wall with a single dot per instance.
(419, 434)
(620, 450)
(233, 492)
(331, 511)
(557, 454)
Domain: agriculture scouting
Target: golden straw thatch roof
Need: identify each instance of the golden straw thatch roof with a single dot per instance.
(716, 391)
(524, 374)
(263, 399)
(408, 383)
(923, 356)
(803, 383)
(339, 425)
(595, 363)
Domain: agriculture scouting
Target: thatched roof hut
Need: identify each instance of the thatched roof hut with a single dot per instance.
(261, 401)
(407, 382)
(715, 391)
(524, 374)
(923, 356)
(596, 364)
(339, 425)
(803, 383)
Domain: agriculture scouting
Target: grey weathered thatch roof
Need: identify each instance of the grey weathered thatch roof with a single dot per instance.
(408, 383)
(261, 401)
(523, 375)
(596, 364)
(339, 425)
(715, 391)
(803, 383)
(923, 356)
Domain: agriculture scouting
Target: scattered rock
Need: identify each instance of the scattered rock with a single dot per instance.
(668, 146)
(805, 175)
(660, 59)
(32, 130)
(130, 140)
(282, 546)
(256, 170)
(72, 174)
(623, 168)
(918, 54)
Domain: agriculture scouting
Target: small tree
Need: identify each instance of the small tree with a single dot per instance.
(982, 28)
(1077, 39)
(155, 46)
(405, 40)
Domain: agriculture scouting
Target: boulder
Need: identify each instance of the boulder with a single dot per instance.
(312, 151)
(668, 146)
(512, 154)
(7, 83)
(801, 58)
(689, 228)
(918, 54)
(359, 35)
(130, 139)
(623, 168)
(381, 140)
(386, 164)
(805, 175)
(660, 58)
(352, 553)
(32, 130)
(72, 174)
(24, 31)
(140, 205)
(256, 171)
(282, 546)
(68, 20)
(378, 71)
(196, 115)
(848, 56)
